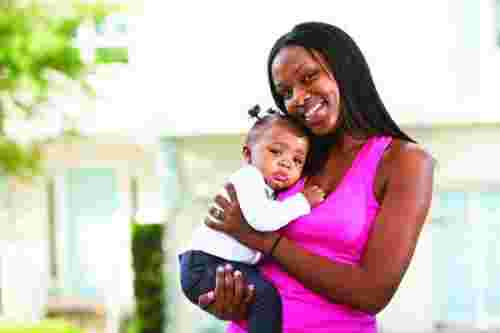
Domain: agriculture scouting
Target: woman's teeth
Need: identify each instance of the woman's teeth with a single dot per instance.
(311, 112)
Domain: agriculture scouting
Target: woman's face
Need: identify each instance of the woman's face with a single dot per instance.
(308, 88)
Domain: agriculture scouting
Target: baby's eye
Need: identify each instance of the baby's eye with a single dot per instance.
(275, 151)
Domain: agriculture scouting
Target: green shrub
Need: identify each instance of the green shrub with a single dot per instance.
(149, 282)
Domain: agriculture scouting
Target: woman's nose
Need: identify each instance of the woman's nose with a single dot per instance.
(299, 94)
(299, 98)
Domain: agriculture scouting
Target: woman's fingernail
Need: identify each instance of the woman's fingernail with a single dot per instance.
(220, 269)
(229, 267)
(251, 287)
(211, 295)
(237, 273)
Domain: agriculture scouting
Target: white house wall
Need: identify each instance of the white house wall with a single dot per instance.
(24, 251)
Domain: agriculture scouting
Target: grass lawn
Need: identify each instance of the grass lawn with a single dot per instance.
(45, 326)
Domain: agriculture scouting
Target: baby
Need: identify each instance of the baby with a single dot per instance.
(275, 152)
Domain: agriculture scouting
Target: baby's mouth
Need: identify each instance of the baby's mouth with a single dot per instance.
(280, 177)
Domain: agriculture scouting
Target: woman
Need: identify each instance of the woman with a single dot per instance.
(337, 267)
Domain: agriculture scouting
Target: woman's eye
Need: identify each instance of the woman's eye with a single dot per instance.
(286, 94)
(310, 77)
(298, 161)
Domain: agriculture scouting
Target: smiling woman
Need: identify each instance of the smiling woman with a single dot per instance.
(331, 265)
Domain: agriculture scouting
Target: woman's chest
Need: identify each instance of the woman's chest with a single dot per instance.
(337, 171)
(339, 226)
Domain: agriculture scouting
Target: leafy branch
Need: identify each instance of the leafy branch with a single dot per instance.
(38, 44)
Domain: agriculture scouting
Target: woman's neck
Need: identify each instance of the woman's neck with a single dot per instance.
(348, 145)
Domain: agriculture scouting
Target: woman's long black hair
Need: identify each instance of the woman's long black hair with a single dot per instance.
(363, 114)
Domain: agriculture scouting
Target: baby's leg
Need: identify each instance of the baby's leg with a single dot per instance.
(198, 273)
(265, 312)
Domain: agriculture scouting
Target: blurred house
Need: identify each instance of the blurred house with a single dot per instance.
(166, 134)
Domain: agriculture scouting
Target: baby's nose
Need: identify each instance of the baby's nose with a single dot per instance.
(285, 163)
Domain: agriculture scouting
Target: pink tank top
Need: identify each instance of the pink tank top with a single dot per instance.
(337, 229)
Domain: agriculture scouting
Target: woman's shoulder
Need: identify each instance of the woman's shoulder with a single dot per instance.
(405, 158)
(402, 151)
(404, 165)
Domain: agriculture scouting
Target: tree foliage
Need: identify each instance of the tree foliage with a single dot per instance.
(37, 44)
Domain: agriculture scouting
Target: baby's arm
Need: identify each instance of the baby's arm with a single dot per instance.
(273, 215)
(262, 213)
(314, 195)
(277, 214)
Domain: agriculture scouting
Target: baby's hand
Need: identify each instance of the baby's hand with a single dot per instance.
(314, 195)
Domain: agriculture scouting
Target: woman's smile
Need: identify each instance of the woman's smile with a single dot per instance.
(314, 114)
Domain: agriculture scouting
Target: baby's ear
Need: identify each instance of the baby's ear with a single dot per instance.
(247, 154)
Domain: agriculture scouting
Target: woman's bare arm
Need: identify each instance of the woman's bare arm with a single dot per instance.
(369, 286)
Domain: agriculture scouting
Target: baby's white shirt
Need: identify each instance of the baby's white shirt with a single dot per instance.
(259, 208)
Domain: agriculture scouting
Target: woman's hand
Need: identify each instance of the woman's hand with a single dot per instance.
(231, 297)
(233, 223)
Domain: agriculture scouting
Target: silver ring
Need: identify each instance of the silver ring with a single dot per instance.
(219, 214)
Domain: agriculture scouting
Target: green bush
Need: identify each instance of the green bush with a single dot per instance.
(45, 326)
(149, 282)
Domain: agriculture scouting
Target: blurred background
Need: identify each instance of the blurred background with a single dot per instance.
(140, 126)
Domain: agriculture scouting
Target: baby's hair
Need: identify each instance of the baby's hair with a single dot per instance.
(256, 112)
(264, 120)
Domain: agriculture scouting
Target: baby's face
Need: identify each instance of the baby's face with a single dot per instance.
(280, 154)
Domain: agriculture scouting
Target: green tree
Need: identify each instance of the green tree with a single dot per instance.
(37, 44)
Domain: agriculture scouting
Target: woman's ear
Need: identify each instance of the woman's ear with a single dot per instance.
(247, 154)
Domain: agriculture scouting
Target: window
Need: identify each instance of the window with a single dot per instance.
(466, 258)
(497, 21)
(90, 201)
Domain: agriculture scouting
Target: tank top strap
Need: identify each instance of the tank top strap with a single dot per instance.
(376, 147)
(368, 162)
